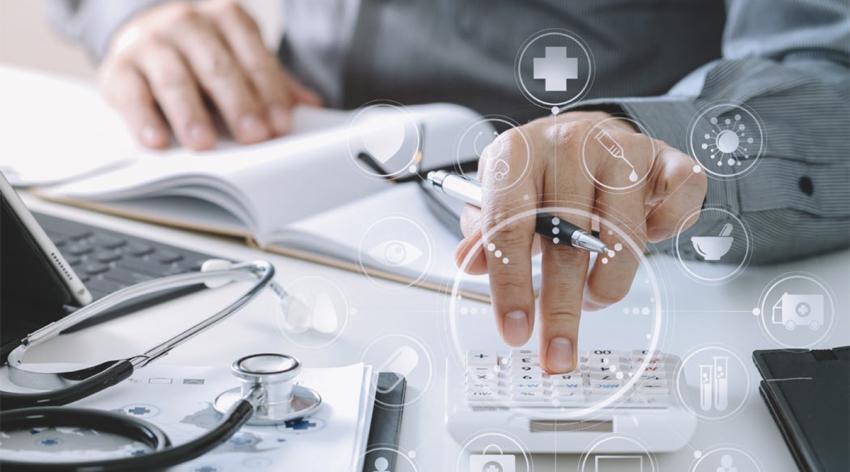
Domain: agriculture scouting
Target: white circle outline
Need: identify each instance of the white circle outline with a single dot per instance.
(680, 371)
(743, 109)
(512, 125)
(394, 451)
(724, 448)
(642, 130)
(397, 281)
(784, 278)
(403, 112)
(582, 462)
(572, 37)
(713, 280)
(656, 294)
(422, 348)
(347, 313)
(529, 463)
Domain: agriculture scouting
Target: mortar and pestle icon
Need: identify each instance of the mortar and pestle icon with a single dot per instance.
(712, 248)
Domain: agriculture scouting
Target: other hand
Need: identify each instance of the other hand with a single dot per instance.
(670, 188)
(167, 69)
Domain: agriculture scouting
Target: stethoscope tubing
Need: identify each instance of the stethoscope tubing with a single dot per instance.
(42, 409)
(152, 436)
(112, 375)
(109, 374)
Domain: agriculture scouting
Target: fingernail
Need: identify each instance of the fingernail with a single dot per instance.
(152, 136)
(201, 136)
(252, 128)
(280, 118)
(516, 328)
(559, 356)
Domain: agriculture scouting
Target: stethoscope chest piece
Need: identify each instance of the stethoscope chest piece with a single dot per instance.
(269, 382)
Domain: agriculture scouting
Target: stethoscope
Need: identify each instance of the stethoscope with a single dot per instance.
(268, 394)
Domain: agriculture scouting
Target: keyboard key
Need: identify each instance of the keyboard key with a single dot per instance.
(95, 268)
(126, 277)
(167, 257)
(152, 268)
(108, 241)
(73, 260)
(108, 256)
(103, 286)
(78, 249)
(139, 249)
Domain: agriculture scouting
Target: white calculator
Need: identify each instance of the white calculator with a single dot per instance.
(568, 413)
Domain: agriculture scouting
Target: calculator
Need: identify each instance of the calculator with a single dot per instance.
(509, 392)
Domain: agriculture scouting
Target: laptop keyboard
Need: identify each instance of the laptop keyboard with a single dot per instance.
(108, 261)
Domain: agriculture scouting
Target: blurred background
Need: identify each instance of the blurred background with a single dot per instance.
(28, 40)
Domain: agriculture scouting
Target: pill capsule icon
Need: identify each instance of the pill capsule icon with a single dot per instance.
(402, 361)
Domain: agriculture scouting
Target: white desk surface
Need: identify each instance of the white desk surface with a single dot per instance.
(705, 314)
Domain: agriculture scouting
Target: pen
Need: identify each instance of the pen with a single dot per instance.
(548, 225)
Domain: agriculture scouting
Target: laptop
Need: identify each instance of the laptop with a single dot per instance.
(52, 266)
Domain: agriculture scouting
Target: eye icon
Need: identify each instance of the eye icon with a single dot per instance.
(395, 253)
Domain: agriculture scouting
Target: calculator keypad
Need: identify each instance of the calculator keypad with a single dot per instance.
(515, 379)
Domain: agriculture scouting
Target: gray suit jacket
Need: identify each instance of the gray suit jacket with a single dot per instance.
(659, 61)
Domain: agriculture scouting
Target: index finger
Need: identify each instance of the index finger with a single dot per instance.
(508, 239)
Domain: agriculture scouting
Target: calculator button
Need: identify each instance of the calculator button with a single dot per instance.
(483, 374)
(520, 353)
(483, 396)
(531, 385)
(662, 390)
(528, 395)
(481, 358)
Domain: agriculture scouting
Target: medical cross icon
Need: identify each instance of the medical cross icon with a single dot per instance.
(555, 68)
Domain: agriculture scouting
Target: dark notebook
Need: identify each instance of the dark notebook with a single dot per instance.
(808, 394)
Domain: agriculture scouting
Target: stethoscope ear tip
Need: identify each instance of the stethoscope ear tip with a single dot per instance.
(210, 265)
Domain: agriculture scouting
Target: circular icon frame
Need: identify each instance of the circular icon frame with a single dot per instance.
(395, 284)
(731, 355)
(595, 131)
(482, 158)
(428, 358)
(719, 450)
(582, 462)
(571, 37)
(653, 337)
(526, 457)
(741, 265)
(727, 141)
(411, 166)
(345, 318)
(772, 286)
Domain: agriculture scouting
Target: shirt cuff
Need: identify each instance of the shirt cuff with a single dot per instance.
(94, 22)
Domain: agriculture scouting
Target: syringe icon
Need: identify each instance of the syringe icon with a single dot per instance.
(615, 150)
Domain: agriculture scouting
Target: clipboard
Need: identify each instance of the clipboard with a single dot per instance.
(385, 429)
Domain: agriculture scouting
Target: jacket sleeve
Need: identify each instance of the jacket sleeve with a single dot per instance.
(787, 62)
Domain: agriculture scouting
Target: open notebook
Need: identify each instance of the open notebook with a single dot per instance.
(308, 194)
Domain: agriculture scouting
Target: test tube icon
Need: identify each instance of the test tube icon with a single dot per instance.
(706, 382)
(721, 383)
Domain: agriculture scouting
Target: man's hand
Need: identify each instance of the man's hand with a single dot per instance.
(556, 176)
(170, 65)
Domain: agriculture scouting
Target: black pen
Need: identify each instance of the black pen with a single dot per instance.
(548, 225)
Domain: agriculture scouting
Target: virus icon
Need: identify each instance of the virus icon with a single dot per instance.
(729, 141)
